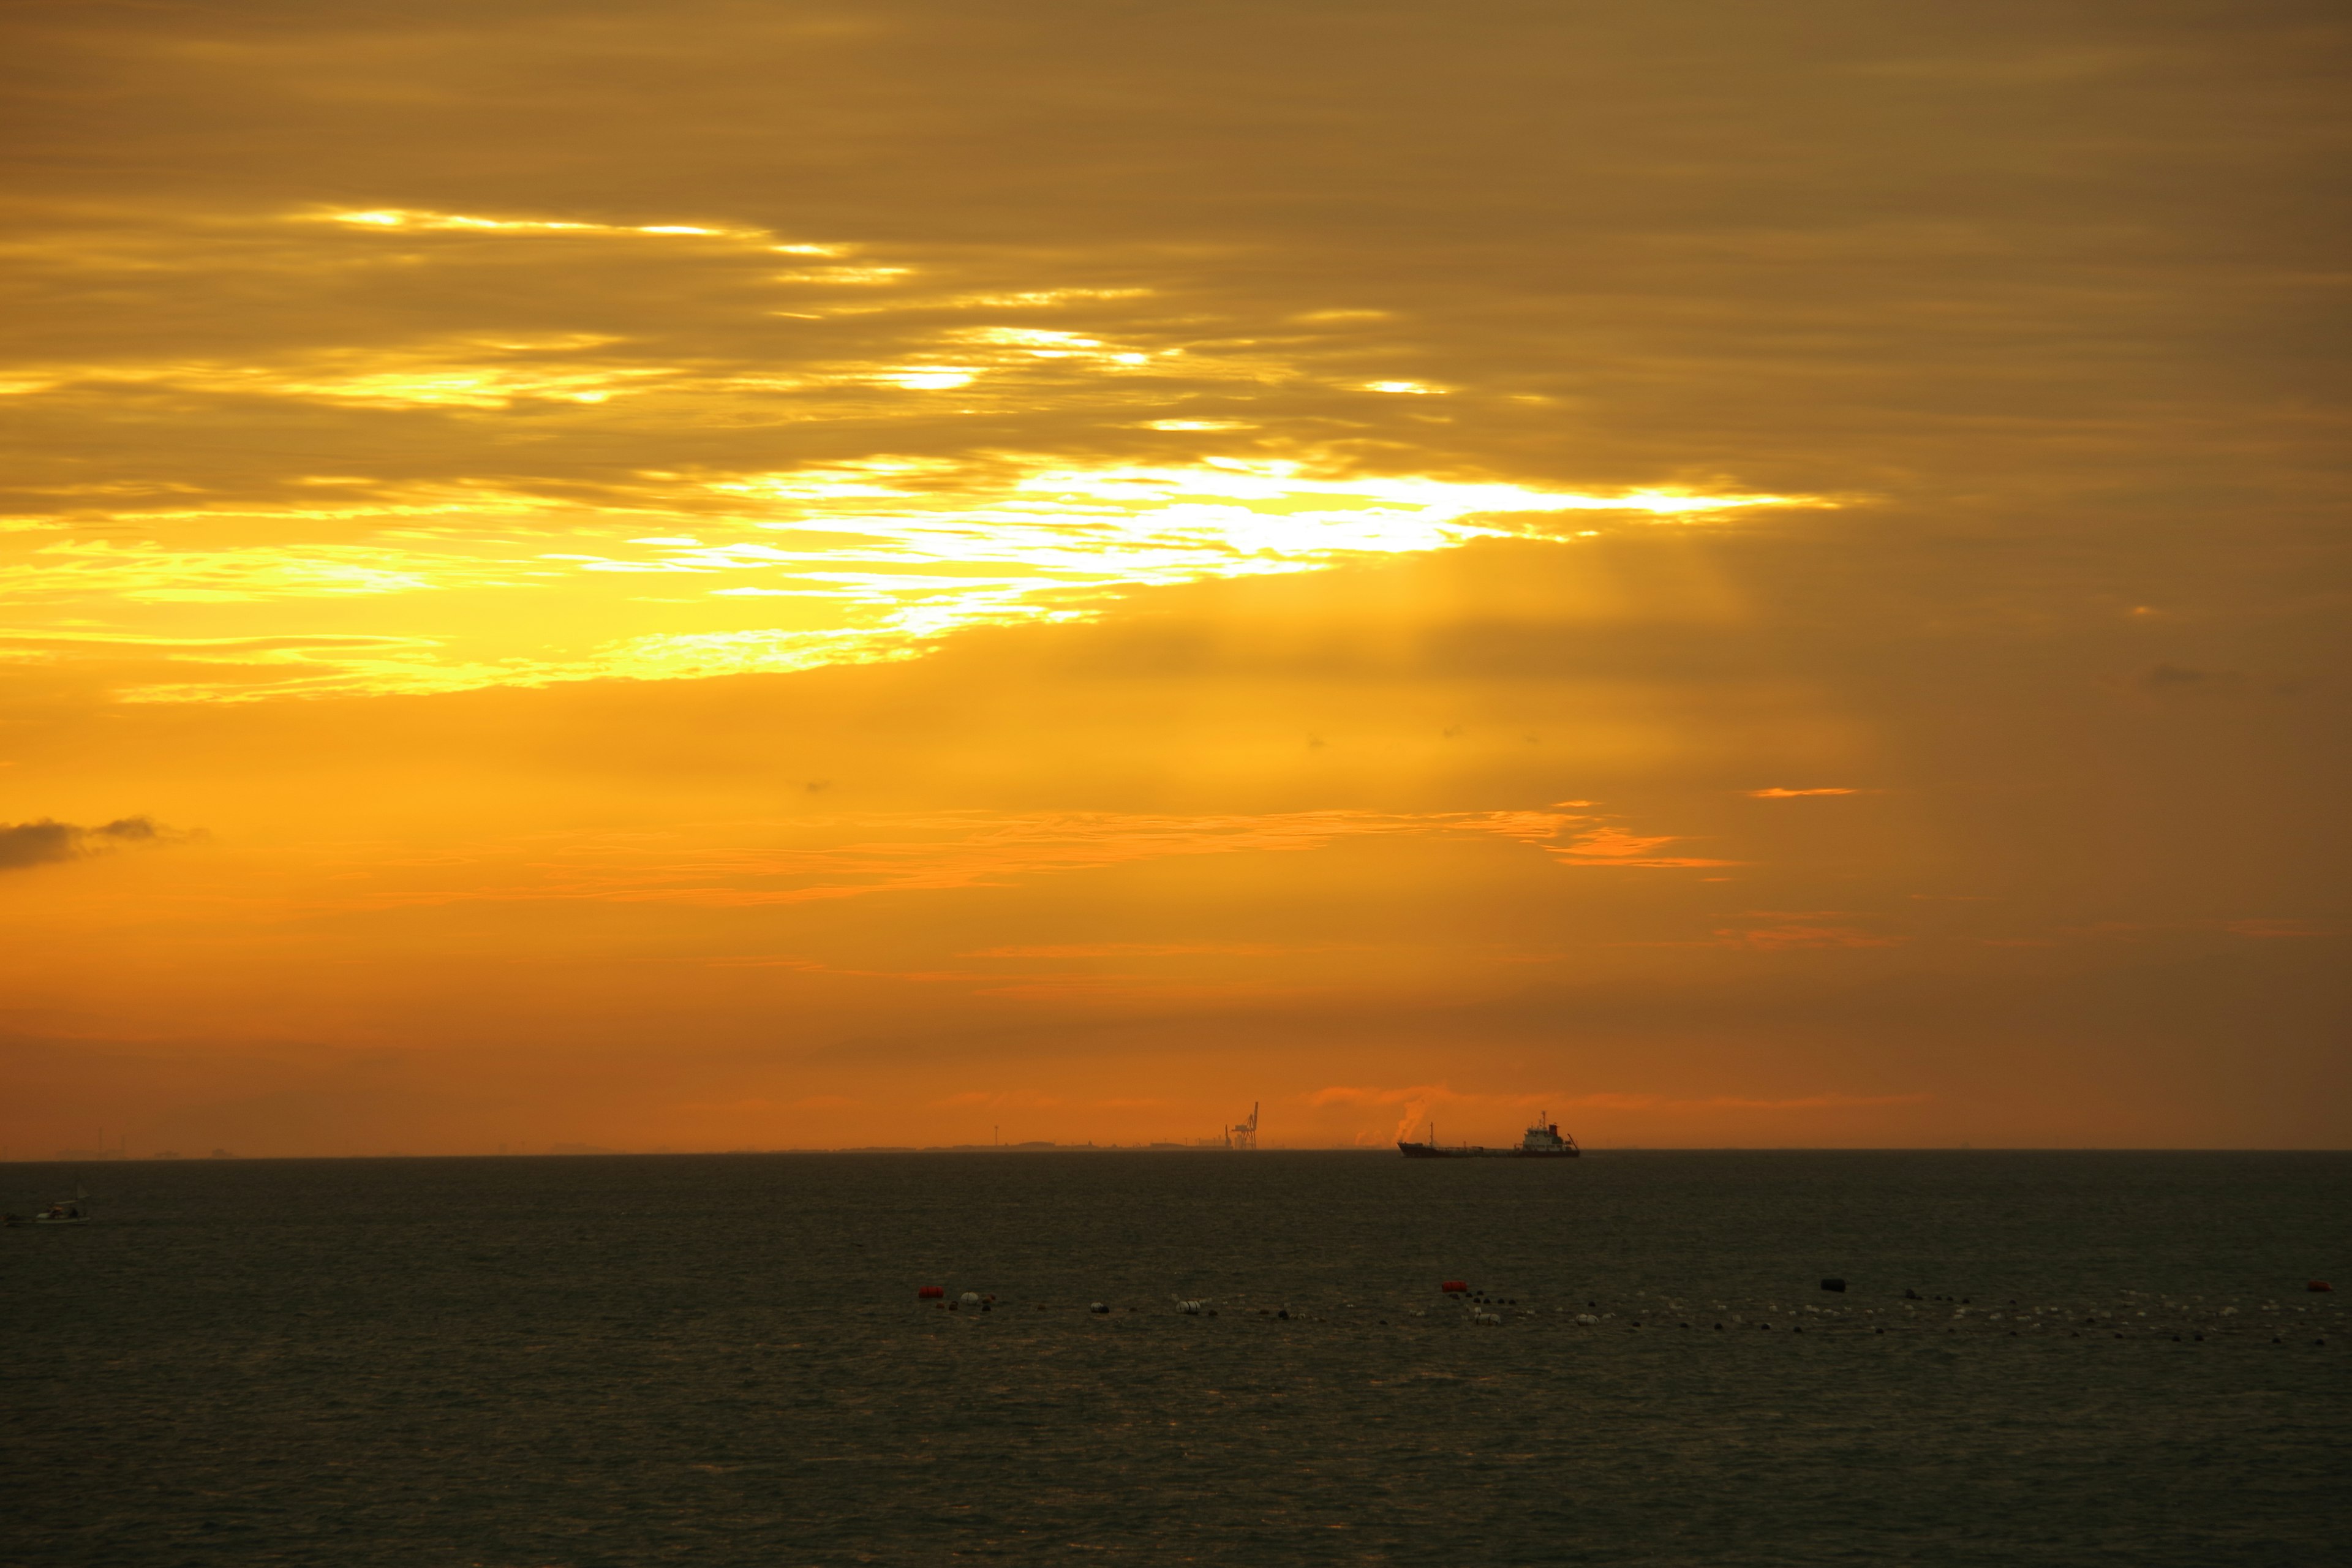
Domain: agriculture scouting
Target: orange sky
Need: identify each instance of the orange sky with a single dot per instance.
(716, 575)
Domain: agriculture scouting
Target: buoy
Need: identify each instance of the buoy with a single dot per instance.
(1453, 1287)
(1838, 1285)
(1284, 1315)
(1099, 1310)
(931, 1292)
(972, 1298)
(1491, 1320)
(2318, 1285)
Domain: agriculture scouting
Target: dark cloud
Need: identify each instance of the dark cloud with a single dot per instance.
(2168, 677)
(40, 843)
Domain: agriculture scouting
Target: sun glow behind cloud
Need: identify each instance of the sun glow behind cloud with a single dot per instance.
(355, 577)
(667, 576)
(852, 562)
(397, 218)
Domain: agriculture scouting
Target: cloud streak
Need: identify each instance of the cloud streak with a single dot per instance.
(944, 852)
(44, 842)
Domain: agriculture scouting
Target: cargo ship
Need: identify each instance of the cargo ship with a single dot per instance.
(1544, 1140)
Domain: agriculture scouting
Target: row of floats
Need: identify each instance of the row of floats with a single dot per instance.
(2183, 1318)
(979, 1302)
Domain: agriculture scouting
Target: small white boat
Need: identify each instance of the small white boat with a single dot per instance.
(65, 1211)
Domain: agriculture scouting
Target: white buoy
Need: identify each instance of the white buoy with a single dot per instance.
(972, 1298)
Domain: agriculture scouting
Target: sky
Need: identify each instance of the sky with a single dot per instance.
(714, 575)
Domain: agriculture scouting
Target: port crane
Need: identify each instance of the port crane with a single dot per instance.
(1244, 1134)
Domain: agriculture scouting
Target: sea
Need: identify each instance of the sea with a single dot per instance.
(526, 1362)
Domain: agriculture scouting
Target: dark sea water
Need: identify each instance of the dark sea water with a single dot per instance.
(719, 1360)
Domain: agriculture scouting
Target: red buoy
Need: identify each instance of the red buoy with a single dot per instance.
(1453, 1287)
(2319, 1285)
(931, 1292)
